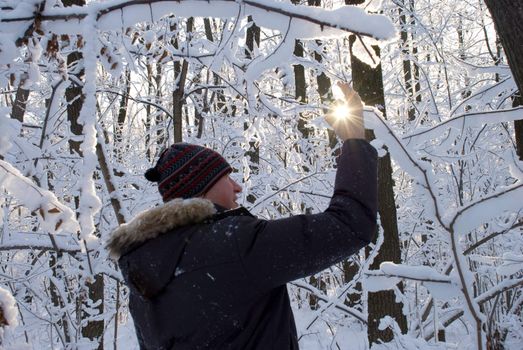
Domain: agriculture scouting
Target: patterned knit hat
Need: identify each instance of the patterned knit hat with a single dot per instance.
(185, 170)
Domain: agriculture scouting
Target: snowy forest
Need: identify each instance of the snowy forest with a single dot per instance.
(92, 91)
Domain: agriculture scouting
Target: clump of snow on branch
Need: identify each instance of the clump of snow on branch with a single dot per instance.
(8, 311)
(53, 216)
(403, 341)
(8, 53)
(8, 128)
(90, 204)
(512, 264)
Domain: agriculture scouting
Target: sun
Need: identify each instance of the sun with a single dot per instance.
(341, 111)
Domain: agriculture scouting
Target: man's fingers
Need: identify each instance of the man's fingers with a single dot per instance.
(351, 96)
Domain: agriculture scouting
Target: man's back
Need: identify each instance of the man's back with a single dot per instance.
(189, 290)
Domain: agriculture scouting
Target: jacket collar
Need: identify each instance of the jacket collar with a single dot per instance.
(176, 213)
(153, 222)
(222, 212)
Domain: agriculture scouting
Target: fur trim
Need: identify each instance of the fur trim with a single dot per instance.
(153, 222)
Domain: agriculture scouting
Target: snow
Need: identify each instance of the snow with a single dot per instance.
(379, 146)
(362, 48)
(8, 50)
(8, 306)
(419, 273)
(487, 208)
(90, 204)
(442, 287)
(463, 121)
(375, 283)
(8, 128)
(120, 14)
(445, 292)
(512, 264)
(420, 171)
(53, 216)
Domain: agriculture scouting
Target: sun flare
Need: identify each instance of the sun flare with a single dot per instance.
(342, 111)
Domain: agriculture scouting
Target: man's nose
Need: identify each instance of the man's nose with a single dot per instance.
(237, 187)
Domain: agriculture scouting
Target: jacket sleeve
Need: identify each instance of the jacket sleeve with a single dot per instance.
(274, 252)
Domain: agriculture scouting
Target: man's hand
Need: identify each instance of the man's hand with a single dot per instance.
(347, 119)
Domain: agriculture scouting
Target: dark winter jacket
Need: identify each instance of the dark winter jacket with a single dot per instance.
(202, 278)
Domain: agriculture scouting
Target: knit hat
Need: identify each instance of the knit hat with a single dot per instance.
(185, 170)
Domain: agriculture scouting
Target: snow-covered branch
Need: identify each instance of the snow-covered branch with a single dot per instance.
(502, 287)
(53, 215)
(406, 159)
(336, 303)
(486, 208)
(312, 21)
(414, 273)
(466, 120)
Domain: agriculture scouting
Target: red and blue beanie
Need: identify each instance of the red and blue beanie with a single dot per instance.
(185, 170)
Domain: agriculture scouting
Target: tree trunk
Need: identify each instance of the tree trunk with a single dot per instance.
(508, 20)
(409, 49)
(161, 138)
(300, 88)
(220, 105)
(75, 99)
(148, 119)
(369, 84)
(19, 105)
(122, 116)
(180, 73)
(252, 42)
(300, 84)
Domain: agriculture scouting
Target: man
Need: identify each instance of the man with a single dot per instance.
(204, 274)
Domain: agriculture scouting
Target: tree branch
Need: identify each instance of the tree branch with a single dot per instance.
(60, 16)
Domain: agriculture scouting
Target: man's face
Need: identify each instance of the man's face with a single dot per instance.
(224, 192)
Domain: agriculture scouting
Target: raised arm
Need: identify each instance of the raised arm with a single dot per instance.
(275, 252)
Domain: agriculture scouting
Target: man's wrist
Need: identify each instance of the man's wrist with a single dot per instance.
(360, 136)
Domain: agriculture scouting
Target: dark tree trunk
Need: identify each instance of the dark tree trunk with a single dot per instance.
(56, 296)
(148, 120)
(508, 20)
(180, 73)
(252, 42)
(220, 104)
(369, 84)
(20, 103)
(161, 138)
(94, 330)
(300, 85)
(75, 99)
(409, 49)
(122, 116)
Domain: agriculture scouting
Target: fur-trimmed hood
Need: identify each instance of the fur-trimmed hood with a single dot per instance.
(156, 221)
